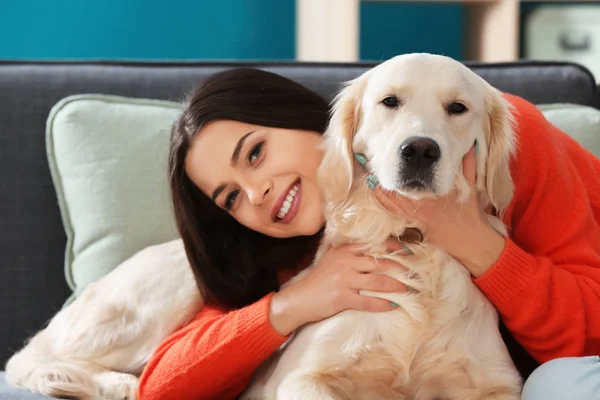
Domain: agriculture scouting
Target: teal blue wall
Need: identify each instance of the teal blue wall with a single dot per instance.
(388, 29)
(146, 29)
(207, 29)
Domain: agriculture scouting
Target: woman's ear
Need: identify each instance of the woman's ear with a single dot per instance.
(336, 171)
(500, 139)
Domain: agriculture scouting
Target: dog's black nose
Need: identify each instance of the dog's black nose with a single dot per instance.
(419, 153)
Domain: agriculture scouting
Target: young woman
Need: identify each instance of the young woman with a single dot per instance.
(243, 163)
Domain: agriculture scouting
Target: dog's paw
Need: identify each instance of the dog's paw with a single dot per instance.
(116, 386)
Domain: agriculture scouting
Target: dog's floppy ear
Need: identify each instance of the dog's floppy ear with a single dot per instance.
(500, 141)
(336, 169)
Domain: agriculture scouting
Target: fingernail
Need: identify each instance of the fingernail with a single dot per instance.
(372, 182)
(406, 251)
(393, 304)
(362, 160)
(476, 146)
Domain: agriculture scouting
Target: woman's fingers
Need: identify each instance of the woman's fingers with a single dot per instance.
(377, 283)
(394, 245)
(367, 264)
(371, 304)
(398, 204)
(470, 165)
(390, 200)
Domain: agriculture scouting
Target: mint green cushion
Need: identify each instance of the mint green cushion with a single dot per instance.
(582, 123)
(108, 160)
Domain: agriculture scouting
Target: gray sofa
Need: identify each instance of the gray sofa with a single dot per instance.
(32, 243)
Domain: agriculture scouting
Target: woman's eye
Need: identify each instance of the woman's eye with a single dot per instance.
(230, 199)
(255, 153)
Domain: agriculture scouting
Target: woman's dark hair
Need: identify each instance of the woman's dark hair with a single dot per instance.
(235, 266)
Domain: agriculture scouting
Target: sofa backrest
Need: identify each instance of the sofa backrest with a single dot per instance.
(32, 239)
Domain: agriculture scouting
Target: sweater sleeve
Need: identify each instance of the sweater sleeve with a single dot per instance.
(546, 284)
(214, 356)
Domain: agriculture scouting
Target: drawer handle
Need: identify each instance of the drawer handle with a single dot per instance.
(571, 41)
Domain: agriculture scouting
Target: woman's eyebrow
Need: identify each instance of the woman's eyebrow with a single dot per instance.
(217, 191)
(238, 147)
(234, 160)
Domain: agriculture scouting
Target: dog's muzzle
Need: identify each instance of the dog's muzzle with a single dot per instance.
(418, 156)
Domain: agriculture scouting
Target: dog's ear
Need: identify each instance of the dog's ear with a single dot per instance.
(500, 141)
(336, 170)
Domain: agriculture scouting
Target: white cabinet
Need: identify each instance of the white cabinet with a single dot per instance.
(565, 33)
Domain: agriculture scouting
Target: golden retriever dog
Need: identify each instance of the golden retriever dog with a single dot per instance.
(442, 342)
(414, 117)
(96, 347)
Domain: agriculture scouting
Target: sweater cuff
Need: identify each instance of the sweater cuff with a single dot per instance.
(508, 277)
(265, 339)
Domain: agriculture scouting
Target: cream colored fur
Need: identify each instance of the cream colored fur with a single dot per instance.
(442, 342)
(96, 347)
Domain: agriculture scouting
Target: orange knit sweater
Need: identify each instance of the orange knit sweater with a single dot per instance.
(546, 284)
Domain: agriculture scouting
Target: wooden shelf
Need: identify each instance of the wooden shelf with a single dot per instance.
(435, 1)
(328, 30)
(493, 31)
(478, 1)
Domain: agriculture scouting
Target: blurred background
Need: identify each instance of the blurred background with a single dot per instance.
(367, 30)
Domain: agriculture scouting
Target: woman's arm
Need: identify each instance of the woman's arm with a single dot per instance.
(214, 356)
(546, 283)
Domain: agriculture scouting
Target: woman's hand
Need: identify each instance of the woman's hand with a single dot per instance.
(461, 229)
(332, 286)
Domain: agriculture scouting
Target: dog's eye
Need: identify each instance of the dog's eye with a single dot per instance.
(391, 102)
(457, 108)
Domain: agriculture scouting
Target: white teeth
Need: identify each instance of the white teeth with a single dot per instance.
(288, 202)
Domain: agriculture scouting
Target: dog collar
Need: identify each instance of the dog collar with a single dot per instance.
(410, 235)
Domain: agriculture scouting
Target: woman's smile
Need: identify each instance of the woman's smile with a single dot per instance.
(287, 205)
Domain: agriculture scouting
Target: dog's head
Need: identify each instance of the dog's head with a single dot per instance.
(414, 117)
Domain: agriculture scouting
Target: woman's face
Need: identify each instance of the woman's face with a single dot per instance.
(266, 178)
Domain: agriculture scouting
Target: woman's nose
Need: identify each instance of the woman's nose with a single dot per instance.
(258, 193)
